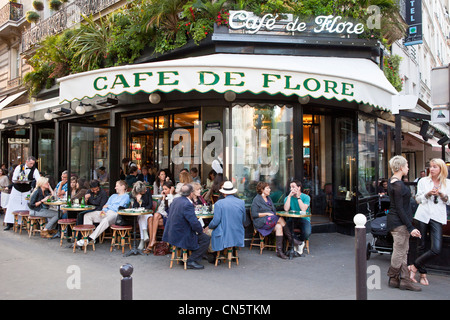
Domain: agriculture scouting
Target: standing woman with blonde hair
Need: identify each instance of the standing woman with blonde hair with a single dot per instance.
(399, 223)
(432, 196)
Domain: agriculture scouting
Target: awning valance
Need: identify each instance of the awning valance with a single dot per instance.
(348, 79)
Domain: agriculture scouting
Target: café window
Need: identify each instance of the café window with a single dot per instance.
(367, 169)
(260, 148)
(154, 138)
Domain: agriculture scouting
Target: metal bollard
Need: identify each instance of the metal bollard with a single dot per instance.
(126, 284)
(360, 256)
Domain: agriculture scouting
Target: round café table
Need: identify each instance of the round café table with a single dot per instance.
(293, 214)
(77, 208)
(58, 204)
(134, 213)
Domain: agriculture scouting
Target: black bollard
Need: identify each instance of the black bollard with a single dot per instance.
(360, 256)
(126, 284)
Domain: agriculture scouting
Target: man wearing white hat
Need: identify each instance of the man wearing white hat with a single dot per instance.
(228, 221)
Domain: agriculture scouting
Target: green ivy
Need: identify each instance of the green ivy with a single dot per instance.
(164, 25)
(391, 69)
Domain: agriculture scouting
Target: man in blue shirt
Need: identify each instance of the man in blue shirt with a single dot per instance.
(298, 201)
(107, 216)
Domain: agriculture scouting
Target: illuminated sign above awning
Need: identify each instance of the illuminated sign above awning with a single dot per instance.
(348, 79)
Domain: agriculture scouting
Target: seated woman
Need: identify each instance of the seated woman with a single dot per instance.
(265, 219)
(215, 187)
(38, 207)
(141, 198)
(185, 177)
(160, 216)
(197, 199)
(161, 177)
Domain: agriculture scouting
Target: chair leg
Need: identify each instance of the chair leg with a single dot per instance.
(185, 258)
(173, 256)
(113, 238)
(75, 242)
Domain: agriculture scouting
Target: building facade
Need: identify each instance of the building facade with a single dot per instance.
(276, 105)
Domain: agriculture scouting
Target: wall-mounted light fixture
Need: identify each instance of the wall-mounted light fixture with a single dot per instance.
(80, 109)
(444, 140)
(426, 131)
(48, 115)
(106, 102)
(154, 98)
(22, 120)
(304, 100)
(229, 96)
(6, 122)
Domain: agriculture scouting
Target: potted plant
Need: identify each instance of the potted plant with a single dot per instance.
(38, 5)
(55, 4)
(32, 16)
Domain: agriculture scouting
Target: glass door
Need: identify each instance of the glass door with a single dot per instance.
(46, 151)
(345, 169)
(89, 155)
(317, 153)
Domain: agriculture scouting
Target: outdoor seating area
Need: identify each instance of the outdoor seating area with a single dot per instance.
(138, 219)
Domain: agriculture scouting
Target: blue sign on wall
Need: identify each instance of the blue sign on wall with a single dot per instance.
(414, 20)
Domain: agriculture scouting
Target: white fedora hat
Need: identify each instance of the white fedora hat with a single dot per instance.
(228, 188)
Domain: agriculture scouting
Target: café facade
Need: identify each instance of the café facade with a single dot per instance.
(277, 103)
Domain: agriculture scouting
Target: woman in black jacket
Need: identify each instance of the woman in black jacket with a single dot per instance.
(399, 223)
(38, 206)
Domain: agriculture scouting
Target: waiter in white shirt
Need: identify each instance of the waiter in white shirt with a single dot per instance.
(217, 164)
(29, 175)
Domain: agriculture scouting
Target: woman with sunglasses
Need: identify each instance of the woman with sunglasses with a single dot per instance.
(432, 196)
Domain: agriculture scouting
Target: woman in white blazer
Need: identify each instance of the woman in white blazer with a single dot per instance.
(432, 196)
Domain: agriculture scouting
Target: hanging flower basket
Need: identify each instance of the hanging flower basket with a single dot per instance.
(38, 5)
(55, 4)
(32, 16)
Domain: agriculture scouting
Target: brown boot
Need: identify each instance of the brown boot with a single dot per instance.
(407, 284)
(279, 245)
(394, 277)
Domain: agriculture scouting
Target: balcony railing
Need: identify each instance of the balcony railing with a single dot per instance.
(11, 12)
(65, 18)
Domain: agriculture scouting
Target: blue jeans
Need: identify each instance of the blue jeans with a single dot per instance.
(303, 224)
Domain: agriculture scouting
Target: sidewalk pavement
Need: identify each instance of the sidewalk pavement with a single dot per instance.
(36, 268)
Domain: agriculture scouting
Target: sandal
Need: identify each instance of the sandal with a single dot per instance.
(412, 274)
(424, 280)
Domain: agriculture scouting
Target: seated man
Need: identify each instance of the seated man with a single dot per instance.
(183, 229)
(298, 201)
(228, 222)
(95, 196)
(132, 177)
(61, 187)
(107, 216)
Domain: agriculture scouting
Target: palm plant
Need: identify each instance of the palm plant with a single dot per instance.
(90, 43)
(166, 16)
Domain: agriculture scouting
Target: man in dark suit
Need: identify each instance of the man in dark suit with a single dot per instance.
(183, 229)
